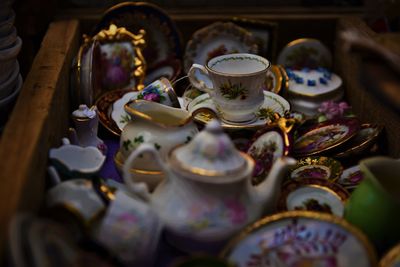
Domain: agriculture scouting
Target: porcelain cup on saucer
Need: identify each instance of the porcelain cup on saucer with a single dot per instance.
(238, 82)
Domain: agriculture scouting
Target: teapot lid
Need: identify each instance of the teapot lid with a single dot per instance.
(84, 112)
(211, 157)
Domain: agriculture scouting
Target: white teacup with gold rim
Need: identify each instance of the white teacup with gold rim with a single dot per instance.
(238, 81)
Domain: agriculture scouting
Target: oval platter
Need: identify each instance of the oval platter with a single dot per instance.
(300, 238)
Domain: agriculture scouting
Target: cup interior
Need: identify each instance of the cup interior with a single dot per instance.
(238, 64)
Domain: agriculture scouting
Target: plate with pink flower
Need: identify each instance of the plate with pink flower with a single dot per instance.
(159, 91)
(317, 167)
(325, 136)
(351, 177)
(300, 238)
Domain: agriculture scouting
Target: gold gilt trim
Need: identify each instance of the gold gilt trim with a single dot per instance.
(121, 34)
(391, 258)
(120, 164)
(302, 214)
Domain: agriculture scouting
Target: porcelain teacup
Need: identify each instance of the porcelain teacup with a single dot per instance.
(238, 82)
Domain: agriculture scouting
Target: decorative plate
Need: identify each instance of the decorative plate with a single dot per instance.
(203, 110)
(305, 52)
(160, 91)
(269, 144)
(169, 69)
(218, 39)
(351, 177)
(362, 141)
(391, 258)
(300, 238)
(105, 107)
(163, 39)
(274, 79)
(314, 194)
(325, 136)
(317, 167)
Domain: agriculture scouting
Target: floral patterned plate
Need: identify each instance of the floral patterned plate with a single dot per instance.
(325, 136)
(160, 91)
(218, 39)
(169, 69)
(362, 141)
(203, 110)
(314, 194)
(305, 52)
(269, 144)
(300, 238)
(317, 167)
(391, 258)
(163, 39)
(104, 106)
(351, 177)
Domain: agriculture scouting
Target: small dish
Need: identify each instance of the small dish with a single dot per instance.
(269, 144)
(203, 110)
(274, 80)
(351, 177)
(163, 40)
(317, 167)
(305, 52)
(391, 258)
(362, 141)
(7, 103)
(218, 39)
(313, 194)
(8, 40)
(104, 106)
(325, 136)
(9, 84)
(160, 91)
(76, 162)
(300, 238)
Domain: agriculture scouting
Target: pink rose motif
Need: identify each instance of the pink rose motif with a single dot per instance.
(333, 110)
(152, 97)
(236, 211)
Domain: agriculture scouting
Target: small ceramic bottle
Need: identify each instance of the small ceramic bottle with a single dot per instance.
(86, 123)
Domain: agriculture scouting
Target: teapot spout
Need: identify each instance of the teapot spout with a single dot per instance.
(267, 192)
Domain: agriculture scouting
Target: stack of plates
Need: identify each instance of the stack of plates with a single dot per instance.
(10, 45)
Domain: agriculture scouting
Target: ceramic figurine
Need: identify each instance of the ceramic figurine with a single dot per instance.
(86, 123)
(207, 194)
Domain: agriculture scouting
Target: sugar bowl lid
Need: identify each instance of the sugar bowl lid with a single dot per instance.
(83, 112)
(211, 157)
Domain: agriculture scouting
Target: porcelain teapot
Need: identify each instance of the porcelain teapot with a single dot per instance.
(207, 195)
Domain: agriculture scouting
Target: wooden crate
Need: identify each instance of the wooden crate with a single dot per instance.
(41, 115)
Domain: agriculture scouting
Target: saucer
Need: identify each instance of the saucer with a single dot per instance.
(313, 194)
(203, 110)
(351, 177)
(317, 167)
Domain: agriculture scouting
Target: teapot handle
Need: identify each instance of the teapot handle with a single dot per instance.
(140, 188)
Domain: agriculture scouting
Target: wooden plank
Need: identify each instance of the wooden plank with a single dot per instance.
(39, 120)
(368, 107)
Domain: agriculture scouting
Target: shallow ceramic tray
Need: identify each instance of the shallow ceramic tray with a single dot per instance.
(203, 110)
(325, 136)
(314, 194)
(362, 141)
(217, 39)
(104, 106)
(298, 238)
(317, 167)
(305, 52)
(163, 39)
(351, 177)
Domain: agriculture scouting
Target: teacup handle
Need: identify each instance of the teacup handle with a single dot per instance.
(141, 188)
(196, 82)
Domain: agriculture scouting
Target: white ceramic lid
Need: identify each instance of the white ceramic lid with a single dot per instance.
(212, 157)
(84, 112)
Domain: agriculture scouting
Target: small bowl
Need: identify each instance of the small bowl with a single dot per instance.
(8, 84)
(6, 26)
(151, 177)
(8, 56)
(76, 162)
(8, 41)
(7, 103)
